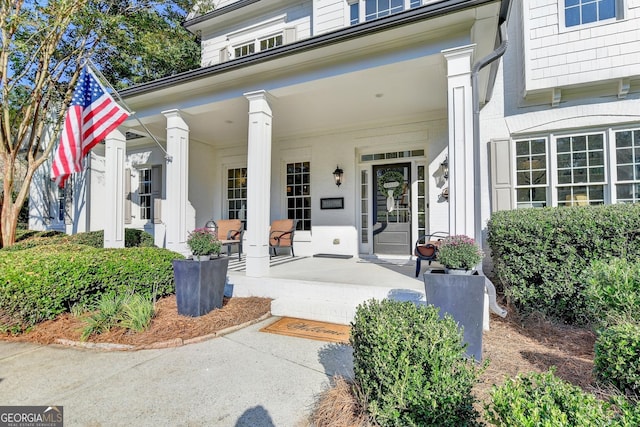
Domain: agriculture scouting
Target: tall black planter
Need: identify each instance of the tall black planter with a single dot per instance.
(199, 285)
(463, 298)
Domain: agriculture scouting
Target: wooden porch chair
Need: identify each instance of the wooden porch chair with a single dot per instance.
(230, 232)
(281, 234)
(427, 248)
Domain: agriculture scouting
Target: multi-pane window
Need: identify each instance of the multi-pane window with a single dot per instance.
(577, 12)
(379, 8)
(580, 169)
(364, 210)
(422, 201)
(144, 193)
(271, 42)
(237, 193)
(627, 155)
(415, 3)
(258, 45)
(354, 13)
(298, 194)
(531, 173)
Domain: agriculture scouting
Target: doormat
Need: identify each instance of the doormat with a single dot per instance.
(333, 256)
(310, 329)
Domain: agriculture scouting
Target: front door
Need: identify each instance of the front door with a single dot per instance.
(392, 209)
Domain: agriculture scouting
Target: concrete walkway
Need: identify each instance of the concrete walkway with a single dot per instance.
(246, 378)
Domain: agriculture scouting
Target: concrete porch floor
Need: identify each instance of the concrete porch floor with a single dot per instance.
(328, 289)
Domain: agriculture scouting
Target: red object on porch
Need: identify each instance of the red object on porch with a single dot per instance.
(427, 248)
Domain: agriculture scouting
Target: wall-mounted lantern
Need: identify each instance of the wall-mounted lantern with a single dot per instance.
(337, 175)
(444, 167)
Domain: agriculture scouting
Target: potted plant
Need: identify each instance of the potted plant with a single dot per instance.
(459, 290)
(459, 254)
(200, 285)
(203, 243)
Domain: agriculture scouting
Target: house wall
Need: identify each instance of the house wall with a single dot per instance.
(329, 15)
(557, 56)
(336, 231)
(293, 20)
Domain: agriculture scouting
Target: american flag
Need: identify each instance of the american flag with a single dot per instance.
(91, 116)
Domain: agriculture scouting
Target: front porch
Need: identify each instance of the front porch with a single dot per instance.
(327, 289)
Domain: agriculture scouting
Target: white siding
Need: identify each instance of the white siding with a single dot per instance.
(330, 15)
(295, 17)
(556, 56)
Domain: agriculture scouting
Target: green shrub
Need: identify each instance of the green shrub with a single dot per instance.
(544, 400)
(410, 366)
(613, 291)
(40, 283)
(29, 239)
(617, 357)
(128, 311)
(539, 254)
(137, 238)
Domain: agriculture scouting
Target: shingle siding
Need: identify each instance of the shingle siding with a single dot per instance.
(556, 56)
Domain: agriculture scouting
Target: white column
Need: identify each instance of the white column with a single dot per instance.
(114, 176)
(460, 117)
(175, 207)
(258, 184)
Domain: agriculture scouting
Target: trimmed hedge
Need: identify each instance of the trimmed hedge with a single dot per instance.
(535, 399)
(40, 283)
(613, 291)
(539, 254)
(132, 238)
(617, 357)
(410, 366)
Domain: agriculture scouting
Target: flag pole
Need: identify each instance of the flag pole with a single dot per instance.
(101, 76)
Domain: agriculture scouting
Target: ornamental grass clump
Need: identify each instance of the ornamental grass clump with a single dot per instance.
(459, 252)
(203, 241)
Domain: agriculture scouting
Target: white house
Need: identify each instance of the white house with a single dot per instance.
(289, 91)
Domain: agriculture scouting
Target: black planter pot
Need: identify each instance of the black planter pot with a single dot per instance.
(461, 296)
(199, 285)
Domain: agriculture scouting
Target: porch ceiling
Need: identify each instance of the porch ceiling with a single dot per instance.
(399, 73)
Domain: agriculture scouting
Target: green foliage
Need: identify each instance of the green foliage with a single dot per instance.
(128, 311)
(459, 252)
(613, 290)
(95, 239)
(535, 399)
(410, 366)
(203, 241)
(617, 356)
(539, 254)
(40, 283)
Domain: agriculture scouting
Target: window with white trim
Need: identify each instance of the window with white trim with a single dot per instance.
(579, 12)
(627, 152)
(62, 201)
(581, 169)
(258, 45)
(531, 173)
(144, 193)
(298, 194)
(237, 193)
(378, 8)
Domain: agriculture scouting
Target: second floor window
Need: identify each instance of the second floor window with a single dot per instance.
(379, 8)
(258, 45)
(578, 12)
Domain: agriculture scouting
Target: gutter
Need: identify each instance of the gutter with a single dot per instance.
(407, 17)
(475, 70)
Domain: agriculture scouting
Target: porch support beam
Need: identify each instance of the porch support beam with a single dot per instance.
(258, 183)
(177, 191)
(460, 148)
(114, 177)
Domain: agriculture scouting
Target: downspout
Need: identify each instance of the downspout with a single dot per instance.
(475, 70)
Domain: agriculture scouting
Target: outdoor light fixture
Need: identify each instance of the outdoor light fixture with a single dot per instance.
(337, 175)
(444, 166)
